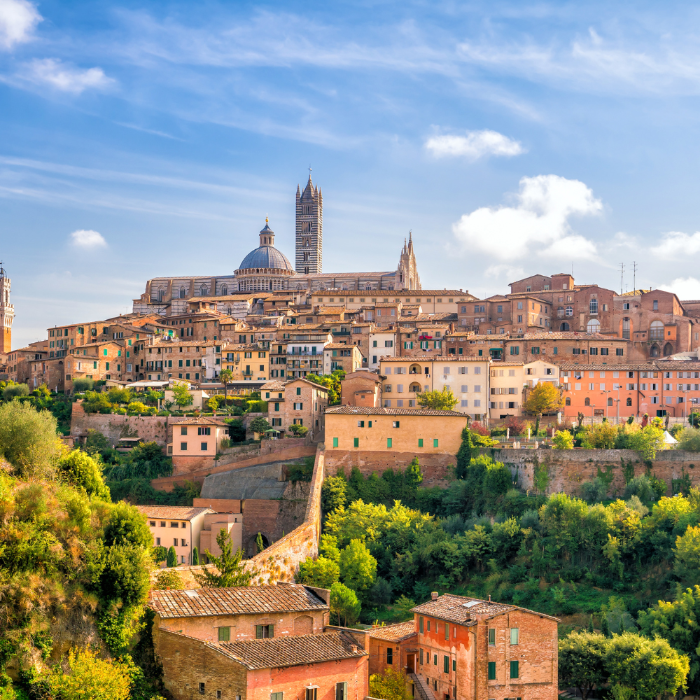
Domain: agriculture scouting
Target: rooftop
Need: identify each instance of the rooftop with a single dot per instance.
(292, 651)
(376, 411)
(172, 512)
(248, 600)
(394, 633)
(436, 358)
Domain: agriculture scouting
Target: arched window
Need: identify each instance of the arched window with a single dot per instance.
(203, 290)
(587, 401)
(593, 326)
(610, 401)
(415, 387)
(564, 326)
(654, 351)
(182, 292)
(160, 294)
(568, 401)
(224, 291)
(593, 306)
(629, 400)
(656, 330)
(668, 349)
(415, 369)
(569, 310)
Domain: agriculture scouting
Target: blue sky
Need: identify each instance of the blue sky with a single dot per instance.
(148, 139)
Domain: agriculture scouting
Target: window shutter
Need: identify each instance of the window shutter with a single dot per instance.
(258, 632)
(271, 630)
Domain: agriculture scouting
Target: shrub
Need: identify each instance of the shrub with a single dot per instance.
(136, 407)
(516, 425)
(171, 559)
(85, 472)
(14, 391)
(594, 491)
(479, 429)
(83, 384)
(168, 579)
(563, 440)
(688, 439)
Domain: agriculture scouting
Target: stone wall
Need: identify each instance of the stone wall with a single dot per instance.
(115, 427)
(434, 466)
(566, 470)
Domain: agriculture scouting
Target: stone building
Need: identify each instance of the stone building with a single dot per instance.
(7, 313)
(341, 356)
(476, 649)
(361, 388)
(393, 647)
(296, 402)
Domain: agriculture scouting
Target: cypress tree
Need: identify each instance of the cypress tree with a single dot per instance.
(590, 624)
(605, 627)
(172, 557)
(195, 557)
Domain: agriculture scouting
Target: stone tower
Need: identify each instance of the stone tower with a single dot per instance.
(407, 271)
(309, 240)
(7, 313)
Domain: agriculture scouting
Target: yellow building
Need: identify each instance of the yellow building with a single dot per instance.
(422, 431)
(407, 377)
(248, 362)
(506, 390)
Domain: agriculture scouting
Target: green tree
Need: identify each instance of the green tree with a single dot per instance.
(96, 442)
(320, 572)
(331, 382)
(159, 554)
(82, 384)
(403, 607)
(84, 471)
(298, 430)
(181, 394)
(226, 570)
(333, 493)
(544, 398)
(413, 476)
(647, 441)
(195, 557)
(259, 425)
(600, 436)
(465, 453)
(582, 662)
(116, 395)
(125, 576)
(678, 622)
(687, 556)
(213, 404)
(443, 400)
(137, 408)
(172, 557)
(225, 376)
(563, 440)
(345, 607)
(126, 525)
(358, 568)
(28, 439)
(168, 579)
(13, 391)
(87, 677)
(97, 402)
(259, 544)
(689, 439)
(389, 685)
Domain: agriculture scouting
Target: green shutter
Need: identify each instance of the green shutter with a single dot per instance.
(454, 664)
(492, 670)
(435, 442)
(420, 627)
(446, 664)
(271, 630)
(258, 631)
(335, 442)
(447, 632)
(420, 442)
(388, 442)
(356, 442)
(492, 637)
(514, 669)
(224, 634)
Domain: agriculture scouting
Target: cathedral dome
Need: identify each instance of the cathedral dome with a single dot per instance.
(266, 257)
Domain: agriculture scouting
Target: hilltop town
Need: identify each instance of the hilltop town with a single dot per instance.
(378, 490)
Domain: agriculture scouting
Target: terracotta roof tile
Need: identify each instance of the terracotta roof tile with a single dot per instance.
(461, 609)
(173, 512)
(376, 411)
(300, 650)
(394, 633)
(249, 600)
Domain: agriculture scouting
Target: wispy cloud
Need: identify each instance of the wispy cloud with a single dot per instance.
(88, 240)
(473, 145)
(18, 19)
(677, 245)
(63, 77)
(684, 287)
(538, 225)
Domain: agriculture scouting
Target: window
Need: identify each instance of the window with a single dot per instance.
(203, 431)
(203, 446)
(514, 669)
(390, 655)
(264, 631)
(341, 691)
(445, 664)
(395, 424)
(224, 634)
(514, 635)
(183, 430)
(434, 659)
(388, 443)
(356, 442)
(183, 446)
(492, 670)
(492, 637)
(273, 696)
(656, 305)
(420, 619)
(311, 693)
(202, 688)
(435, 444)
(593, 306)
(420, 444)
(421, 655)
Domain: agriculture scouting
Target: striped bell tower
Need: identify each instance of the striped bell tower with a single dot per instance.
(309, 230)
(7, 313)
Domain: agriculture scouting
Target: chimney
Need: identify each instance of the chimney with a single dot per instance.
(353, 648)
(434, 595)
(489, 598)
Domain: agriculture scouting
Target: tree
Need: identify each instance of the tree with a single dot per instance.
(389, 685)
(320, 572)
(601, 436)
(413, 476)
(259, 425)
(87, 677)
(689, 439)
(345, 607)
(544, 398)
(358, 568)
(96, 442)
(464, 454)
(182, 395)
(126, 576)
(259, 544)
(213, 404)
(168, 579)
(678, 622)
(126, 525)
(116, 395)
(298, 430)
(85, 472)
(28, 439)
(136, 408)
(331, 382)
(172, 557)
(438, 400)
(159, 554)
(647, 441)
(333, 493)
(563, 440)
(13, 391)
(228, 569)
(226, 375)
(687, 562)
(82, 384)
(582, 662)
(195, 557)
(403, 607)
(236, 430)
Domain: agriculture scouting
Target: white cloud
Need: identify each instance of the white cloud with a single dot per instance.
(684, 288)
(88, 240)
(508, 271)
(538, 225)
(473, 145)
(51, 71)
(18, 18)
(676, 244)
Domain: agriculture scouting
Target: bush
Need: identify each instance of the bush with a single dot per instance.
(688, 439)
(168, 579)
(641, 486)
(83, 384)
(594, 491)
(479, 429)
(127, 526)
(14, 391)
(563, 440)
(85, 472)
(515, 425)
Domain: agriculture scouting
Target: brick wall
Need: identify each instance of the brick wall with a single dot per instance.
(568, 469)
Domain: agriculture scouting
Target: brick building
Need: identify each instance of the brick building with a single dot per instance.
(196, 442)
(471, 649)
(361, 388)
(341, 356)
(394, 647)
(296, 402)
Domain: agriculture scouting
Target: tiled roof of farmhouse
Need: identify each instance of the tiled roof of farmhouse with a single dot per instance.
(394, 633)
(172, 512)
(371, 411)
(292, 651)
(245, 600)
(459, 609)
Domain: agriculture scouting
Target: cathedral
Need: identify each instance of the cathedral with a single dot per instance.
(267, 269)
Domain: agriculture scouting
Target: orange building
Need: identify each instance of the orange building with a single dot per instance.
(394, 647)
(476, 649)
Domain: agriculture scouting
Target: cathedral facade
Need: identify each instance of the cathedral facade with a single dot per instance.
(267, 269)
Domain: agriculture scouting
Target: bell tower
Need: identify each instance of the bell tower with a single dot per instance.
(7, 313)
(309, 230)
